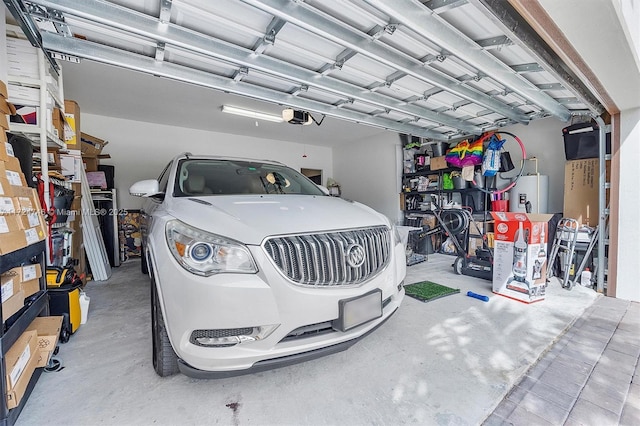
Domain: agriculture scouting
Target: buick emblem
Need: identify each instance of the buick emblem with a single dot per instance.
(355, 255)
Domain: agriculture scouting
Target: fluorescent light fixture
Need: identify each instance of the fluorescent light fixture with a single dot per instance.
(252, 114)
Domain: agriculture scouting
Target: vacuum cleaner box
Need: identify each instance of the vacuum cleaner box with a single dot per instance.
(520, 255)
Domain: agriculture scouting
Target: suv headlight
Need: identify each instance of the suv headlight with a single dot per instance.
(206, 254)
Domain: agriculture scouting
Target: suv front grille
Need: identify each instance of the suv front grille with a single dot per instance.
(332, 258)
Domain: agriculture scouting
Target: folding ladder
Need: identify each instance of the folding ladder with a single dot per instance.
(564, 245)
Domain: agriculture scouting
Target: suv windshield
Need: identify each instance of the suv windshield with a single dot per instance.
(197, 177)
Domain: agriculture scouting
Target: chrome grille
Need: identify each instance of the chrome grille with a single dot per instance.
(322, 259)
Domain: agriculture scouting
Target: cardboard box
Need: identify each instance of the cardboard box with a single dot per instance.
(27, 197)
(520, 255)
(6, 149)
(479, 227)
(4, 122)
(6, 108)
(13, 304)
(28, 220)
(4, 93)
(10, 283)
(581, 187)
(9, 223)
(438, 163)
(58, 122)
(72, 115)
(31, 275)
(20, 362)
(90, 164)
(12, 241)
(91, 146)
(48, 331)
(14, 173)
(6, 189)
(24, 279)
(8, 205)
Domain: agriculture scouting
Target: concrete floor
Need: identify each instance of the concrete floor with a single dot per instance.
(450, 361)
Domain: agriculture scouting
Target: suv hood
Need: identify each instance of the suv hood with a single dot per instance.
(251, 218)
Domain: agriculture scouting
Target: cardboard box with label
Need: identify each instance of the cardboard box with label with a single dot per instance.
(17, 284)
(92, 146)
(20, 362)
(31, 275)
(6, 149)
(58, 121)
(13, 172)
(520, 255)
(48, 330)
(72, 116)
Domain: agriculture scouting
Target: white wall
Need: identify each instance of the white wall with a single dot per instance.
(367, 171)
(142, 150)
(543, 140)
(627, 286)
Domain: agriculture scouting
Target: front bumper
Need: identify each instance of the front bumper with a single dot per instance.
(269, 364)
(230, 301)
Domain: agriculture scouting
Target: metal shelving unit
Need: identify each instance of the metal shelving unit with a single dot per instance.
(17, 324)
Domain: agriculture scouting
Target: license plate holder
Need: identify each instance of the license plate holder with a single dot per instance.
(358, 310)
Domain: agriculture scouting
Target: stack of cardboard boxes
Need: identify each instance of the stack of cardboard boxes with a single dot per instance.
(21, 224)
(91, 148)
(21, 220)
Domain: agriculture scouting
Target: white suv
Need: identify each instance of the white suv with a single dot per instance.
(254, 266)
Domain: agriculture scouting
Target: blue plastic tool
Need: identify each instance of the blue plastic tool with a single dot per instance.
(478, 296)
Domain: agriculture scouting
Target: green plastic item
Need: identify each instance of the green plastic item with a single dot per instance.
(447, 182)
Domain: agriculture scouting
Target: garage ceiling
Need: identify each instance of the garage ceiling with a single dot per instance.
(439, 69)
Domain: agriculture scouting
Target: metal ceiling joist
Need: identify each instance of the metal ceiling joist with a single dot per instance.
(109, 55)
(443, 5)
(301, 15)
(170, 34)
(270, 35)
(518, 30)
(433, 28)
(532, 67)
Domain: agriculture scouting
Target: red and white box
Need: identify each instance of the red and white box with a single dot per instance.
(520, 255)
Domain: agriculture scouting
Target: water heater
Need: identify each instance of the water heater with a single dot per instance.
(533, 189)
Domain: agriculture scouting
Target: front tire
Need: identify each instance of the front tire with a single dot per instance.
(165, 360)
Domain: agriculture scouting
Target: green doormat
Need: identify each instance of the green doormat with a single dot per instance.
(427, 291)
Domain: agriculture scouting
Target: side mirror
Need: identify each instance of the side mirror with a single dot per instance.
(145, 188)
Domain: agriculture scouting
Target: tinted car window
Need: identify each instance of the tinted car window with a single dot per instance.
(227, 177)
